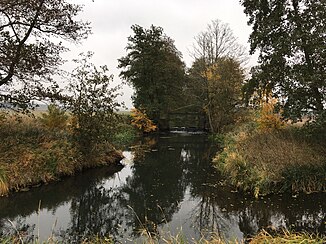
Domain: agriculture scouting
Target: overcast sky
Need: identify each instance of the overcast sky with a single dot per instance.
(181, 20)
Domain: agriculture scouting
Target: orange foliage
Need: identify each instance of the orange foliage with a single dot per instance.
(141, 121)
(268, 119)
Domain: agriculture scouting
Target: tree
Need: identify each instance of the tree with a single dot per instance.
(31, 34)
(224, 82)
(154, 68)
(92, 103)
(216, 75)
(290, 38)
(218, 41)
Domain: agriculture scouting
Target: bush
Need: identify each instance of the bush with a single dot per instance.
(124, 135)
(141, 121)
(315, 130)
(268, 120)
(92, 104)
(54, 119)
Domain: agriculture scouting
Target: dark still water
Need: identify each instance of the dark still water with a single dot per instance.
(166, 186)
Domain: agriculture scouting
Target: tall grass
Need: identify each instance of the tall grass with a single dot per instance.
(4, 188)
(286, 237)
(272, 161)
(34, 150)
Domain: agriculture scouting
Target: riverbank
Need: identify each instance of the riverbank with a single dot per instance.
(287, 159)
(262, 237)
(32, 153)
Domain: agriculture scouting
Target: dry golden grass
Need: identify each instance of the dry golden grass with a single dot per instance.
(264, 162)
(4, 188)
(31, 153)
(274, 151)
(286, 238)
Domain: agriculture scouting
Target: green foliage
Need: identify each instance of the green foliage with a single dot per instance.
(124, 134)
(307, 178)
(316, 129)
(218, 138)
(92, 104)
(30, 47)
(154, 68)
(290, 38)
(55, 118)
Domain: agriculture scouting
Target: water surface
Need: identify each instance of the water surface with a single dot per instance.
(167, 185)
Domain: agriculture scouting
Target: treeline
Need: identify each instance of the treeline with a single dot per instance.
(288, 36)
(163, 84)
(265, 154)
(289, 78)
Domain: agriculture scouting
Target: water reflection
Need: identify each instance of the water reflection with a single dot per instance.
(168, 183)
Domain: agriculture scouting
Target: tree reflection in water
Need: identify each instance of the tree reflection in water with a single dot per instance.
(169, 178)
(155, 189)
(97, 211)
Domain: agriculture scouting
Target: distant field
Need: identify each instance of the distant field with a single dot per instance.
(124, 112)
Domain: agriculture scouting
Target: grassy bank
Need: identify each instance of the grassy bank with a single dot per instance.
(286, 237)
(262, 237)
(285, 159)
(34, 152)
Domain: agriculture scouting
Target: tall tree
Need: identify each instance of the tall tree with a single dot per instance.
(216, 74)
(31, 34)
(290, 38)
(218, 41)
(224, 81)
(154, 68)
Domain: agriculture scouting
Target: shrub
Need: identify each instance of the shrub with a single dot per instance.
(269, 120)
(315, 130)
(55, 118)
(124, 135)
(141, 121)
(92, 103)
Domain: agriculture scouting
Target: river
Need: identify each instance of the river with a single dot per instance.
(166, 186)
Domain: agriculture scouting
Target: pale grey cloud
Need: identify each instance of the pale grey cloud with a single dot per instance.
(181, 19)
